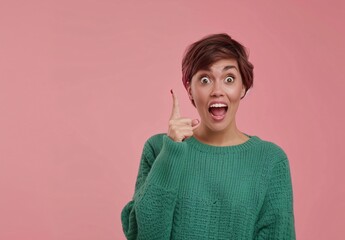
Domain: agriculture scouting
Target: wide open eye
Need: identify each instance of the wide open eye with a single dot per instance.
(229, 79)
(204, 80)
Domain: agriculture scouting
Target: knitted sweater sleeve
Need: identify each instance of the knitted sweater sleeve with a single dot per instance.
(149, 214)
(276, 218)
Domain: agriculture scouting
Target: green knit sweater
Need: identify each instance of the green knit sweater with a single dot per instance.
(191, 190)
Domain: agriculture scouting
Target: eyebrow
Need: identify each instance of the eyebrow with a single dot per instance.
(229, 67)
(224, 69)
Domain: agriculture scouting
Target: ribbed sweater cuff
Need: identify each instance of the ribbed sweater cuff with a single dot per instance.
(168, 165)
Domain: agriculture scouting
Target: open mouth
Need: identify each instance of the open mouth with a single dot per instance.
(218, 110)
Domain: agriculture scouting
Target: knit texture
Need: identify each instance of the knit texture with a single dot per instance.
(191, 190)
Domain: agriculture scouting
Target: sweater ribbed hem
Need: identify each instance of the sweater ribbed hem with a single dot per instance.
(203, 147)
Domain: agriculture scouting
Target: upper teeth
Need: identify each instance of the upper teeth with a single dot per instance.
(218, 105)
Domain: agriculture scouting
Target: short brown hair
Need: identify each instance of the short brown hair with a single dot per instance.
(203, 53)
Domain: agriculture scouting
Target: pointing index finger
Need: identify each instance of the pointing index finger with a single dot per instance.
(175, 113)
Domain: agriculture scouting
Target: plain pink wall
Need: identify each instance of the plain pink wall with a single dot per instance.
(83, 84)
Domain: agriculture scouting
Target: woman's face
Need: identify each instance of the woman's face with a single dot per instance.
(216, 93)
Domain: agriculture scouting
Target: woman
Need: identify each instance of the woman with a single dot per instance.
(205, 179)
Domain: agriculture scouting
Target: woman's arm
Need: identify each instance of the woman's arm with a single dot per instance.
(149, 215)
(276, 219)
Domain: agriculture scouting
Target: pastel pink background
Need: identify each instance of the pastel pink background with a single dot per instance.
(83, 84)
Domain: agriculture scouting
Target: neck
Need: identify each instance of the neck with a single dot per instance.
(227, 137)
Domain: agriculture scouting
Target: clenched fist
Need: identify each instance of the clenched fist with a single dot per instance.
(180, 128)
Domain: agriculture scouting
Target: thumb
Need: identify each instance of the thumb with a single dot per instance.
(195, 123)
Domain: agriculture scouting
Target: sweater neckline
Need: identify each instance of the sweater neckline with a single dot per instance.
(203, 147)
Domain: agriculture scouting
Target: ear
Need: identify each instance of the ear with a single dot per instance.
(189, 90)
(243, 91)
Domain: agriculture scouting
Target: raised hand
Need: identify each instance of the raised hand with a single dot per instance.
(180, 128)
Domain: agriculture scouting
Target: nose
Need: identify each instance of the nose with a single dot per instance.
(217, 90)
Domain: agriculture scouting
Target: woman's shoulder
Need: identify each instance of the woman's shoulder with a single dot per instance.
(272, 149)
(154, 143)
(156, 140)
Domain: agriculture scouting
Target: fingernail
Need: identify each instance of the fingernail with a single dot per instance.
(171, 91)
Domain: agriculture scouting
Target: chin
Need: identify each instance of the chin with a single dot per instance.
(218, 127)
